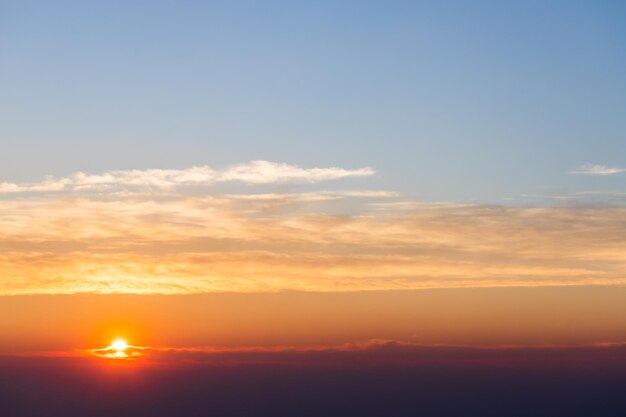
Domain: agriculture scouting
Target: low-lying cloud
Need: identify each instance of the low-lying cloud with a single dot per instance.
(374, 352)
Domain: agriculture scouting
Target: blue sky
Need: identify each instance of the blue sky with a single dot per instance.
(450, 101)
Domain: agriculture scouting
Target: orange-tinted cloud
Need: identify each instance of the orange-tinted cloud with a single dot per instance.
(173, 243)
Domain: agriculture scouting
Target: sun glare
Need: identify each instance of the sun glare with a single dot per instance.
(119, 349)
(119, 345)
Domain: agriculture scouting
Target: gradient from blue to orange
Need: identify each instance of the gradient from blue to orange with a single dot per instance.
(312, 208)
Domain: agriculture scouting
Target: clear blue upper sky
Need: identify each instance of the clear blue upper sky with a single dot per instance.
(447, 100)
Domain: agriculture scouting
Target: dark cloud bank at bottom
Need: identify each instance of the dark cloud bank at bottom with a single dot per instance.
(385, 381)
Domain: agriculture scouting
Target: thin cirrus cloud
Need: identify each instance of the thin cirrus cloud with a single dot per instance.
(254, 172)
(202, 244)
(595, 169)
(61, 239)
(313, 196)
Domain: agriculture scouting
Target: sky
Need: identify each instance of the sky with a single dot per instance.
(258, 197)
(447, 100)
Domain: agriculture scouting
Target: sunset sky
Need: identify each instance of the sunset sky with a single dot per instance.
(332, 182)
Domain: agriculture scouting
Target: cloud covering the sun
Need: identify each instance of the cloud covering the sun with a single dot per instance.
(254, 172)
(373, 352)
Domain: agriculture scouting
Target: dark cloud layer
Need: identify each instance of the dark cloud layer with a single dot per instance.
(382, 379)
(378, 353)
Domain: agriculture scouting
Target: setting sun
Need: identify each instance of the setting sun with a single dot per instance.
(119, 345)
(312, 208)
(119, 349)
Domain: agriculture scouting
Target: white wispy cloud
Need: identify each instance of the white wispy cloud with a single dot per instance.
(254, 172)
(314, 196)
(418, 205)
(595, 169)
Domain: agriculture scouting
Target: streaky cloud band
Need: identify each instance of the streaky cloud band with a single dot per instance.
(253, 172)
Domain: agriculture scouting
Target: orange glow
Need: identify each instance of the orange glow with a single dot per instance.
(474, 317)
(119, 349)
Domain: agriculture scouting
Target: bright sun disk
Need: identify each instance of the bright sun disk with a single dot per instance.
(119, 345)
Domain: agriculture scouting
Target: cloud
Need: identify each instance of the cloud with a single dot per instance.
(181, 244)
(313, 196)
(417, 205)
(391, 353)
(382, 380)
(254, 172)
(593, 198)
(366, 353)
(131, 352)
(264, 172)
(592, 169)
